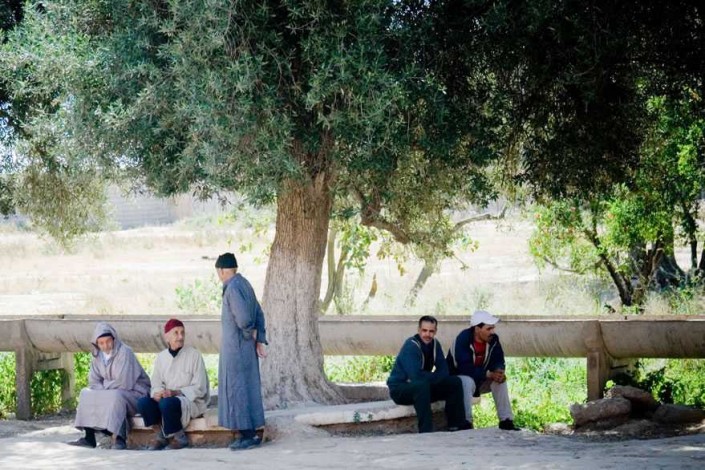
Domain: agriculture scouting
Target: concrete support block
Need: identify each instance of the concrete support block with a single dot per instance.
(68, 383)
(25, 359)
(598, 370)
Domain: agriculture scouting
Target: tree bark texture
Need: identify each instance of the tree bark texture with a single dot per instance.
(293, 370)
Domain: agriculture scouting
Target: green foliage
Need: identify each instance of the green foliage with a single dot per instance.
(45, 387)
(541, 389)
(200, 297)
(81, 367)
(211, 361)
(560, 238)
(358, 369)
(233, 96)
(680, 381)
(629, 229)
(46, 391)
(7, 384)
(355, 240)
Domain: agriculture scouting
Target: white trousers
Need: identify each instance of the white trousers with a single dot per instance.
(500, 394)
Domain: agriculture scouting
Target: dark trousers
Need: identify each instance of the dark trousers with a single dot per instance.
(422, 393)
(166, 412)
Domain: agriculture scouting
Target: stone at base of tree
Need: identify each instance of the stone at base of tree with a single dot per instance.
(641, 399)
(606, 409)
(606, 424)
(560, 429)
(678, 414)
(636, 428)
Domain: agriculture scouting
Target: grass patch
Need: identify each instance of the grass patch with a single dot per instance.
(357, 369)
(541, 389)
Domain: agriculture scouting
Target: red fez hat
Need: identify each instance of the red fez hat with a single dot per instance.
(172, 323)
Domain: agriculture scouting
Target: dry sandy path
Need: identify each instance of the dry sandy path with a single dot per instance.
(488, 448)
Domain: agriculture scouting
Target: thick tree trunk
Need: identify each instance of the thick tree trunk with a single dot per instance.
(293, 370)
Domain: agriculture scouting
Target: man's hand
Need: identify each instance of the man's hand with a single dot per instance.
(497, 376)
(171, 393)
(261, 351)
(158, 395)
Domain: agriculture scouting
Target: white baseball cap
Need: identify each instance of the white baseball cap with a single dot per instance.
(482, 316)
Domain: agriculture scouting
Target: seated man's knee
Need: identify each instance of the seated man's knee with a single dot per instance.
(468, 384)
(456, 381)
(169, 403)
(421, 388)
(499, 386)
(144, 403)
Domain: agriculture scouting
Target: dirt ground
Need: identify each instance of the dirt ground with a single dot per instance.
(41, 445)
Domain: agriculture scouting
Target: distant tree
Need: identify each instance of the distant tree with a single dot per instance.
(631, 233)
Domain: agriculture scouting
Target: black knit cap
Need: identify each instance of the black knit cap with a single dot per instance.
(226, 261)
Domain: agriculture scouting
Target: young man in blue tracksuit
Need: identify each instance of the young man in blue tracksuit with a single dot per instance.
(477, 358)
(420, 376)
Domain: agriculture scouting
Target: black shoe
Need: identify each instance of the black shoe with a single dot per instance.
(508, 425)
(179, 440)
(245, 443)
(82, 442)
(466, 425)
(158, 444)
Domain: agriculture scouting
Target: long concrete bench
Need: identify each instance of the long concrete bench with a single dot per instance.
(201, 432)
(608, 343)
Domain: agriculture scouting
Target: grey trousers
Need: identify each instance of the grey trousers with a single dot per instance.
(500, 394)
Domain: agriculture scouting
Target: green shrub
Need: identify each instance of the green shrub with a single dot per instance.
(541, 389)
(211, 361)
(358, 369)
(7, 384)
(679, 381)
(200, 297)
(81, 367)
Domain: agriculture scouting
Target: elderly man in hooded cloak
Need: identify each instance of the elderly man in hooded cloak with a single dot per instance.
(244, 336)
(116, 381)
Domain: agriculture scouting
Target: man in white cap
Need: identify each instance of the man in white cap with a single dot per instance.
(477, 358)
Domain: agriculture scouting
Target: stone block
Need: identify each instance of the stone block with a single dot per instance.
(678, 414)
(641, 399)
(605, 409)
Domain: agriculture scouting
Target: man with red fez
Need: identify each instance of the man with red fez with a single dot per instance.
(244, 336)
(180, 390)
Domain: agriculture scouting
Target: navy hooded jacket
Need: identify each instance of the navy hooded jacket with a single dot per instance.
(409, 364)
(461, 357)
